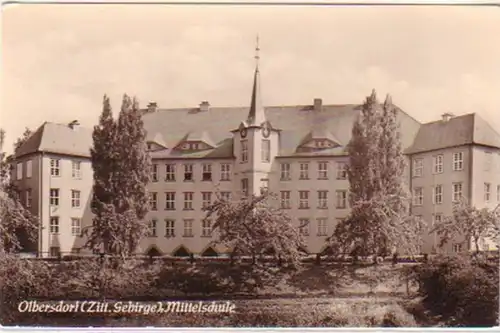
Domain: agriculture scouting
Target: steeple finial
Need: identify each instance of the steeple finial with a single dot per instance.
(256, 115)
(257, 57)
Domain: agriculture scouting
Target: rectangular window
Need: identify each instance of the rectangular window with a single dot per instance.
(54, 197)
(29, 198)
(285, 171)
(457, 248)
(29, 168)
(54, 225)
(169, 200)
(418, 196)
(487, 192)
(285, 199)
(188, 200)
(188, 228)
(55, 251)
(244, 151)
(458, 161)
(244, 186)
(438, 163)
(264, 186)
(206, 199)
(438, 194)
(55, 170)
(322, 170)
(153, 200)
(76, 227)
(76, 169)
(304, 227)
(266, 151)
(323, 199)
(170, 172)
(304, 171)
(322, 228)
(206, 228)
(498, 193)
(169, 228)
(488, 158)
(225, 171)
(341, 170)
(438, 218)
(154, 172)
(19, 170)
(188, 173)
(418, 167)
(341, 199)
(75, 198)
(457, 191)
(152, 228)
(207, 172)
(226, 196)
(303, 199)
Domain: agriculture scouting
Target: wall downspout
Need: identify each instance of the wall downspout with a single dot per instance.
(40, 208)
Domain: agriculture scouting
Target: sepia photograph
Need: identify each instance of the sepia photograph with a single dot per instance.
(244, 165)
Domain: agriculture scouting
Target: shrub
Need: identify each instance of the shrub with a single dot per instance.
(464, 291)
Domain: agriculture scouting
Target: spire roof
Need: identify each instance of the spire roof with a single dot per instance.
(256, 115)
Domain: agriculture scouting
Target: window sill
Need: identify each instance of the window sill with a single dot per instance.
(304, 207)
(206, 236)
(169, 180)
(170, 209)
(341, 178)
(206, 180)
(187, 209)
(323, 207)
(285, 179)
(170, 236)
(341, 207)
(188, 180)
(304, 178)
(187, 236)
(322, 178)
(321, 235)
(286, 207)
(152, 236)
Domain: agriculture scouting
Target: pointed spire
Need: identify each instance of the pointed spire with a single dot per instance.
(256, 115)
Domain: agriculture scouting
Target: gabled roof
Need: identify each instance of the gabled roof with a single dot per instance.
(295, 122)
(457, 131)
(58, 139)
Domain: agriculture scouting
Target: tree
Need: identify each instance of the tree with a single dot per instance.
(121, 173)
(469, 223)
(15, 219)
(20, 141)
(254, 227)
(379, 220)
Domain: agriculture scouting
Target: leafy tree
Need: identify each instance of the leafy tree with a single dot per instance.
(121, 172)
(15, 219)
(469, 223)
(20, 141)
(379, 220)
(255, 227)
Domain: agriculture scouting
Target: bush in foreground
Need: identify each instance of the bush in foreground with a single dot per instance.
(462, 290)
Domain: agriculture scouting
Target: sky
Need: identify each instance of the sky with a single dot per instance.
(59, 60)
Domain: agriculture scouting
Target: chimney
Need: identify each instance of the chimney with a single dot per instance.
(73, 124)
(204, 106)
(318, 102)
(152, 107)
(446, 117)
